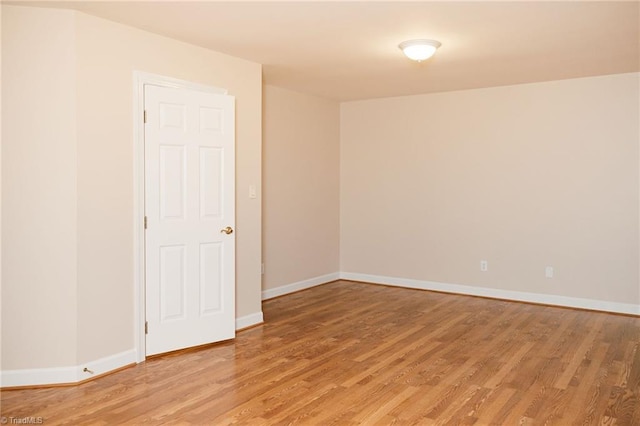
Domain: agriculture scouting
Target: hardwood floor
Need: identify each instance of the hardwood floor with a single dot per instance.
(350, 353)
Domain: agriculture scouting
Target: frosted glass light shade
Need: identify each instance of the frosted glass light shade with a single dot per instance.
(419, 50)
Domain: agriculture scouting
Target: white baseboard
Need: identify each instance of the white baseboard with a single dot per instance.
(107, 364)
(546, 299)
(249, 320)
(66, 375)
(39, 376)
(76, 374)
(300, 285)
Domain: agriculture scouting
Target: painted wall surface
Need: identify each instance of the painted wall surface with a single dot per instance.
(39, 194)
(524, 177)
(108, 53)
(301, 187)
(72, 167)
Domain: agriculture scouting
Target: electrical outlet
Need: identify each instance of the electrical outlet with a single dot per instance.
(548, 272)
(484, 266)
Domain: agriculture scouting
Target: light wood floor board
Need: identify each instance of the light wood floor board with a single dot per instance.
(350, 353)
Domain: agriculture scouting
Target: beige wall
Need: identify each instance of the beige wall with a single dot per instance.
(301, 187)
(83, 184)
(521, 176)
(39, 242)
(108, 53)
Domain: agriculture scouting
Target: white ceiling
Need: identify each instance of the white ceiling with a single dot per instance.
(348, 50)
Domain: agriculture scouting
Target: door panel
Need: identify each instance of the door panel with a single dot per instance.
(211, 190)
(211, 278)
(172, 283)
(189, 199)
(172, 182)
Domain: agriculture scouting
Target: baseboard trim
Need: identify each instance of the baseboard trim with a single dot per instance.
(249, 320)
(74, 375)
(545, 299)
(66, 375)
(300, 285)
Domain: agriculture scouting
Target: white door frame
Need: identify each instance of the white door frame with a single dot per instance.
(140, 79)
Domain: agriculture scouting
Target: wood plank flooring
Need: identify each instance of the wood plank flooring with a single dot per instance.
(350, 353)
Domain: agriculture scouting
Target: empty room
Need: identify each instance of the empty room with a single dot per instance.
(320, 212)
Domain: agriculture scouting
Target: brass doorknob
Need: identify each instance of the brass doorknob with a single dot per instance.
(228, 230)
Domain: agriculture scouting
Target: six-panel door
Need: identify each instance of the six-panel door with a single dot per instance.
(189, 200)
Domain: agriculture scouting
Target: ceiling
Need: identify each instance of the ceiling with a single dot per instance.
(348, 50)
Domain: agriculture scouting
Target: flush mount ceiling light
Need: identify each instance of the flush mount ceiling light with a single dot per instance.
(419, 50)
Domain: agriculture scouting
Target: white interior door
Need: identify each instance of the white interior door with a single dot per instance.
(189, 214)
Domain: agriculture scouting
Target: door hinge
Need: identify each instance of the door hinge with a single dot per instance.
(146, 327)
(144, 116)
(145, 222)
